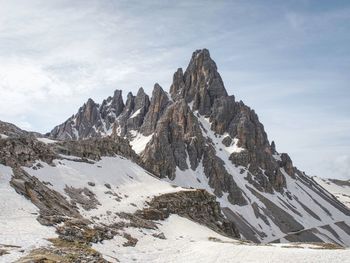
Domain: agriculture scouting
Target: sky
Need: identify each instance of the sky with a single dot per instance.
(288, 60)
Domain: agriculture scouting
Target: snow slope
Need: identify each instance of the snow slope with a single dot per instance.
(125, 179)
(190, 242)
(139, 141)
(185, 240)
(19, 229)
(323, 216)
(340, 189)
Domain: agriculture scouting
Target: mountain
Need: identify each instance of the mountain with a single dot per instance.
(198, 136)
(188, 175)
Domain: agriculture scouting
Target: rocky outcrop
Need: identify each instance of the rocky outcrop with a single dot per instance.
(80, 125)
(63, 251)
(197, 205)
(111, 108)
(95, 148)
(11, 130)
(24, 151)
(134, 112)
(141, 105)
(54, 208)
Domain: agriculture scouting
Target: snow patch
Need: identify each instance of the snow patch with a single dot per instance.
(3, 136)
(135, 113)
(187, 241)
(139, 141)
(46, 140)
(130, 185)
(18, 224)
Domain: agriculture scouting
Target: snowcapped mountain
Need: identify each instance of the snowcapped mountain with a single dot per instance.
(201, 137)
(185, 175)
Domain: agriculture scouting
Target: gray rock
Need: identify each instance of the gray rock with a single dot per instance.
(54, 208)
(158, 105)
(197, 205)
(201, 83)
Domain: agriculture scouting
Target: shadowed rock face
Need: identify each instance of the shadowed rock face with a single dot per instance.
(177, 133)
(158, 105)
(24, 151)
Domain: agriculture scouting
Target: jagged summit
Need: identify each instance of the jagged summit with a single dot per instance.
(200, 86)
(201, 137)
(201, 83)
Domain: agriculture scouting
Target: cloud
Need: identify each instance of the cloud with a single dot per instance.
(288, 61)
(342, 166)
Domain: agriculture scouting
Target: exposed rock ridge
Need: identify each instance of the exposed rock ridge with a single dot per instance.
(197, 205)
(113, 116)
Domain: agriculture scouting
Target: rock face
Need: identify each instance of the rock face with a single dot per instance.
(197, 205)
(24, 151)
(158, 105)
(202, 137)
(112, 116)
(201, 83)
(95, 148)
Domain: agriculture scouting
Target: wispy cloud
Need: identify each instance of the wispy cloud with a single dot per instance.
(288, 60)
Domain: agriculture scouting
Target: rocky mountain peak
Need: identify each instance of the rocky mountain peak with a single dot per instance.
(141, 101)
(201, 83)
(88, 114)
(117, 102)
(158, 105)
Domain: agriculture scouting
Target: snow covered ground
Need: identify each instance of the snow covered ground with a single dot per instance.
(108, 178)
(190, 242)
(46, 140)
(20, 232)
(185, 240)
(340, 191)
